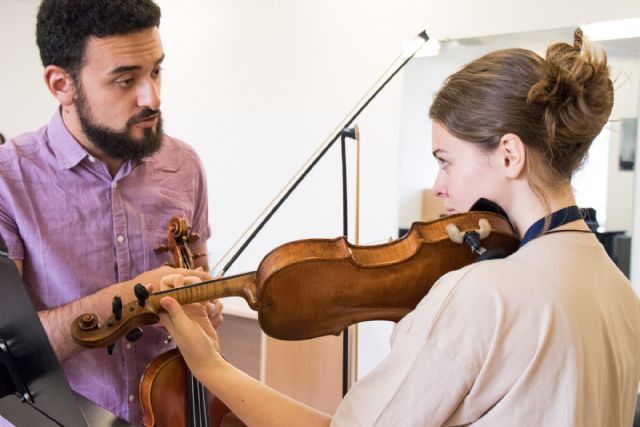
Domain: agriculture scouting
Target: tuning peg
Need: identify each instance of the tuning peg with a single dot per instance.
(116, 307)
(193, 237)
(141, 293)
(161, 249)
(134, 335)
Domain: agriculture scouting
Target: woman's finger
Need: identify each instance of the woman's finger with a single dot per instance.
(178, 321)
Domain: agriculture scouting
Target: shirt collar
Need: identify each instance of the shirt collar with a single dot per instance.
(65, 147)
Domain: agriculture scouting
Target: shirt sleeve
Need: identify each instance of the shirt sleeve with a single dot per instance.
(421, 382)
(9, 229)
(418, 384)
(437, 352)
(200, 223)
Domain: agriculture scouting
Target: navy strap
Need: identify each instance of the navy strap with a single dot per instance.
(556, 219)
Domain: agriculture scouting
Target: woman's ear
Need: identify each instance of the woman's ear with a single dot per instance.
(60, 84)
(512, 155)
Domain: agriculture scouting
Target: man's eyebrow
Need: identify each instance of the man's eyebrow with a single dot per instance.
(129, 68)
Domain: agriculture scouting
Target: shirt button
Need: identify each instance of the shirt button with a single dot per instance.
(131, 397)
(114, 185)
(128, 346)
(92, 159)
(120, 239)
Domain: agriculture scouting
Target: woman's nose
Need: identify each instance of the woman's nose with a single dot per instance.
(439, 188)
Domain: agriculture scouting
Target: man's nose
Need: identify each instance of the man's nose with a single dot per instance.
(149, 95)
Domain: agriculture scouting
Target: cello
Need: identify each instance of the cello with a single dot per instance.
(169, 393)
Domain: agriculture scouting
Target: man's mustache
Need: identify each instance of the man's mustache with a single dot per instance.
(145, 114)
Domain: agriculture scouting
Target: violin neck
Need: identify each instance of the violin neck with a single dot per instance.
(242, 285)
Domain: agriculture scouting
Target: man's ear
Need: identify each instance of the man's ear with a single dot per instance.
(60, 84)
(512, 155)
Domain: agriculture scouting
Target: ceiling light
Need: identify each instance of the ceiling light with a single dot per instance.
(612, 30)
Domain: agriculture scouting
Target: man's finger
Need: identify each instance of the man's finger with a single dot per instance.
(171, 281)
(190, 280)
(200, 274)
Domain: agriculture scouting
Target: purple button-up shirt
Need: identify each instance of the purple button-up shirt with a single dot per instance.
(78, 229)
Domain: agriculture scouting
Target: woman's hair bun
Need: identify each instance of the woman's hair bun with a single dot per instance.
(574, 91)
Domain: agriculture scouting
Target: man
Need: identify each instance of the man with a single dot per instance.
(86, 199)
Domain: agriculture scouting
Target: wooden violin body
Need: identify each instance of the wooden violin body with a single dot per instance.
(310, 288)
(319, 287)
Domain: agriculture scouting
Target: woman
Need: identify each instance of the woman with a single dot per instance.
(548, 336)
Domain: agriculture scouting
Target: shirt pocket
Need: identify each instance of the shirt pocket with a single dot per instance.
(154, 223)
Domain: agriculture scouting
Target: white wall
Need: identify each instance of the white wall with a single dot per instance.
(25, 103)
(620, 183)
(256, 85)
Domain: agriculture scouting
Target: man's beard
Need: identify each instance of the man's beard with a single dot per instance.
(120, 145)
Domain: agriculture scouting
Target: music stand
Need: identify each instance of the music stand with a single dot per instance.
(33, 388)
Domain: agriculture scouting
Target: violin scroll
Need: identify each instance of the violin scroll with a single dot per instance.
(87, 331)
(179, 237)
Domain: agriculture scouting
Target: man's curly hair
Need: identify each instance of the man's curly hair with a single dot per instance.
(64, 26)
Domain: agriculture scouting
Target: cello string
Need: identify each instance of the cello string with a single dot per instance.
(192, 410)
(199, 408)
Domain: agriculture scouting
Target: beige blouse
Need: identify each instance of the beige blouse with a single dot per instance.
(549, 336)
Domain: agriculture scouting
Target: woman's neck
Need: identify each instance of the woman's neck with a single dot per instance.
(526, 208)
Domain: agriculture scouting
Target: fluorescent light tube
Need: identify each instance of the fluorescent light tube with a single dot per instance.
(612, 30)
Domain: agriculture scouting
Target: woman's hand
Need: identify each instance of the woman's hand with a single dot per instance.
(190, 325)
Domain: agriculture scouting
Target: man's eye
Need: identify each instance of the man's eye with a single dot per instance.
(156, 72)
(125, 83)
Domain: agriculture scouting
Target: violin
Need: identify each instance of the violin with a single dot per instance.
(169, 393)
(315, 287)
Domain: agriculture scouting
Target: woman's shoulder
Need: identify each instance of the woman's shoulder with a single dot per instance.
(483, 279)
(480, 292)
